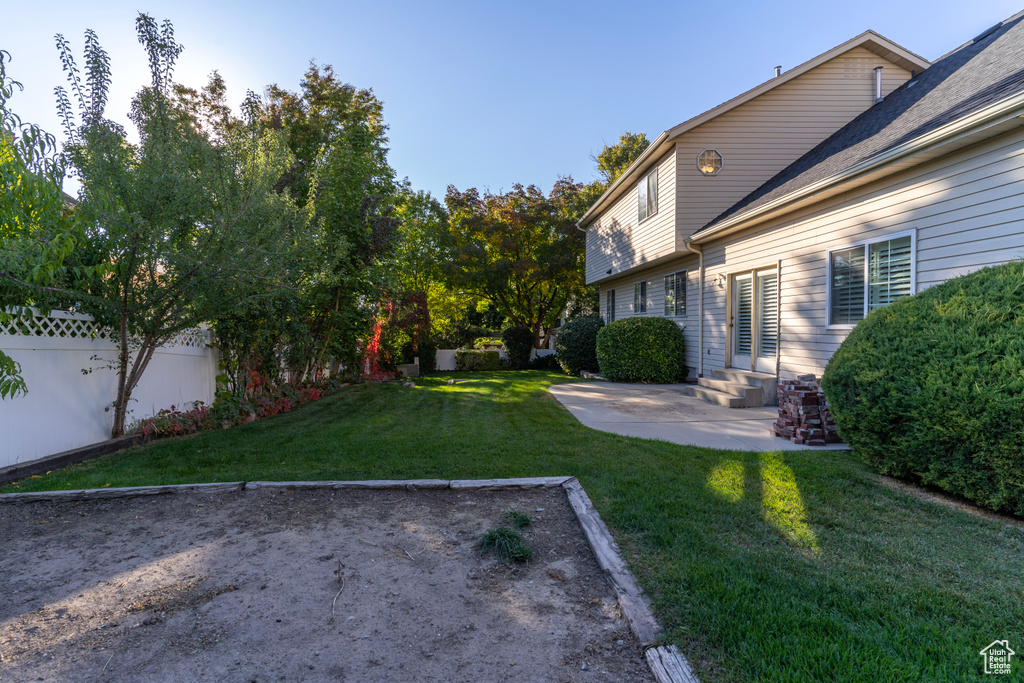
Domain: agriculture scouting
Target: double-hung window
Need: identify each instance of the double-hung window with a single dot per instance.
(647, 196)
(609, 315)
(640, 297)
(675, 293)
(868, 276)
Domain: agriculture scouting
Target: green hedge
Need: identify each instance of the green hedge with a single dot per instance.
(518, 342)
(641, 350)
(576, 344)
(932, 387)
(428, 356)
(466, 359)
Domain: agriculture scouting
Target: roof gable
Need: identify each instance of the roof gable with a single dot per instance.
(960, 84)
(868, 40)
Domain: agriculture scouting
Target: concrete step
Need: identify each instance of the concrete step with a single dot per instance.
(754, 379)
(769, 384)
(713, 396)
(753, 395)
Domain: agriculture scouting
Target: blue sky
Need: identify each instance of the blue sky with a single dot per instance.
(482, 94)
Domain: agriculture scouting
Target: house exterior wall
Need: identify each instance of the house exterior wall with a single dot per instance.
(757, 139)
(966, 211)
(617, 240)
(765, 135)
(655, 278)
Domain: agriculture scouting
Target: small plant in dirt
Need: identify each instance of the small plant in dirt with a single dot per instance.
(519, 520)
(509, 544)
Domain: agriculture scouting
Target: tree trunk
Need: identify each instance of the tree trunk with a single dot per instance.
(121, 402)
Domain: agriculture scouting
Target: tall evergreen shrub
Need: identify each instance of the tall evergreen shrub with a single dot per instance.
(576, 344)
(518, 343)
(932, 387)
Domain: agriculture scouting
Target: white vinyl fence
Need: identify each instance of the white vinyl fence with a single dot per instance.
(65, 408)
(446, 357)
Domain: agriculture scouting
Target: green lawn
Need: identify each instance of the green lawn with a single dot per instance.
(762, 567)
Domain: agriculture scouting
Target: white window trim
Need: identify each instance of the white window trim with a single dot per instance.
(643, 298)
(866, 244)
(721, 161)
(646, 180)
(686, 279)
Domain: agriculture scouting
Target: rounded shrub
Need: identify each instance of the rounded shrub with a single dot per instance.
(518, 343)
(576, 344)
(932, 387)
(641, 350)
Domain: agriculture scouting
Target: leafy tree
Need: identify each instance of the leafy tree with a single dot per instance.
(613, 160)
(37, 229)
(520, 250)
(185, 218)
(340, 174)
(411, 270)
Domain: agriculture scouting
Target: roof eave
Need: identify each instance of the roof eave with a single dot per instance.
(631, 171)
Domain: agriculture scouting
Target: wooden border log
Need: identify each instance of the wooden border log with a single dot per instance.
(500, 484)
(669, 665)
(123, 492)
(378, 484)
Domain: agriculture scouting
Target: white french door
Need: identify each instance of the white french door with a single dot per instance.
(755, 321)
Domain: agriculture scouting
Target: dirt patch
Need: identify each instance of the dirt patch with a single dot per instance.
(239, 586)
(950, 501)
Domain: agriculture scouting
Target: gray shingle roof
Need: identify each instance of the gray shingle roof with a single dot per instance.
(961, 83)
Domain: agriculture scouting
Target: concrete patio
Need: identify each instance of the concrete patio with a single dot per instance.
(664, 412)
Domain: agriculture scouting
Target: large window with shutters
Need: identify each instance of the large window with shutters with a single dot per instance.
(867, 276)
(647, 196)
(675, 293)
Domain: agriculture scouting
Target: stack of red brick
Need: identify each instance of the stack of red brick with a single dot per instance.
(804, 416)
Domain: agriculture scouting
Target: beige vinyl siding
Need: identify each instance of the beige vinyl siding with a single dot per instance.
(655, 278)
(966, 211)
(761, 137)
(616, 240)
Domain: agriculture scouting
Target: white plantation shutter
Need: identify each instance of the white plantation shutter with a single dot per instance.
(744, 308)
(680, 293)
(675, 293)
(889, 269)
(652, 193)
(640, 297)
(767, 313)
(641, 199)
(847, 286)
(670, 294)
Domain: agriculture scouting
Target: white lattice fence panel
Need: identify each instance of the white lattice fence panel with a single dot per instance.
(56, 325)
(194, 338)
(61, 324)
